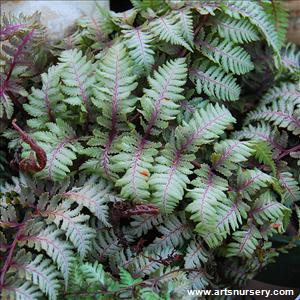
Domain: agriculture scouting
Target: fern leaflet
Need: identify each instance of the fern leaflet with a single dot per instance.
(267, 209)
(258, 17)
(45, 104)
(170, 177)
(209, 190)
(245, 241)
(238, 31)
(167, 28)
(158, 108)
(280, 114)
(196, 255)
(228, 153)
(139, 43)
(232, 58)
(77, 78)
(291, 188)
(214, 82)
(112, 96)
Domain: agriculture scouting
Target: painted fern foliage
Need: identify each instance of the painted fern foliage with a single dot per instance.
(22, 49)
(150, 152)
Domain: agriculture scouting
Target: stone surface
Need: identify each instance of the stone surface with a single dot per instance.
(293, 33)
(58, 16)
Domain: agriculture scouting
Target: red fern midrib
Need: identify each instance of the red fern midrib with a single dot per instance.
(226, 154)
(35, 270)
(18, 53)
(143, 140)
(65, 217)
(70, 195)
(287, 187)
(10, 29)
(137, 31)
(113, 131)
(49, 241)
(245, 239)
(5, 83)
(55, 152)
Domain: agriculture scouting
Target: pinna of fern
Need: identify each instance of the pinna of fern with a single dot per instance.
(150, 100)
(158, 108)
(170, 173)
(236, 30)
(232, 58)
(139, 43)
(20, 59)
(45, 104)
(77, 79)
(114, 86)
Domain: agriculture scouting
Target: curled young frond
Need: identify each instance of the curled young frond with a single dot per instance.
(29, 163)
(60, 144)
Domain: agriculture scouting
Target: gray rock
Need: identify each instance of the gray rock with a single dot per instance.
(58, 16)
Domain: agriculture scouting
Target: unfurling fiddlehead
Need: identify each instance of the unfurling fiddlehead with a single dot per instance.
(30, 163)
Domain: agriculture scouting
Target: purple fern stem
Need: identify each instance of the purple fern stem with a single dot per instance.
(9, 30)
(143, 140)
(114, 131)
(5, 83)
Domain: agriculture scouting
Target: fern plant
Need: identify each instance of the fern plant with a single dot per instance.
(21, 57)
(157, 152)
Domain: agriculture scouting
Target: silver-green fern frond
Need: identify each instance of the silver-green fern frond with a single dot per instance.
(214, 82)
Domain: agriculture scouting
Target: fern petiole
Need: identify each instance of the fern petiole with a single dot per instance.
(29, 163)
(288, 151)
(9, 257)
